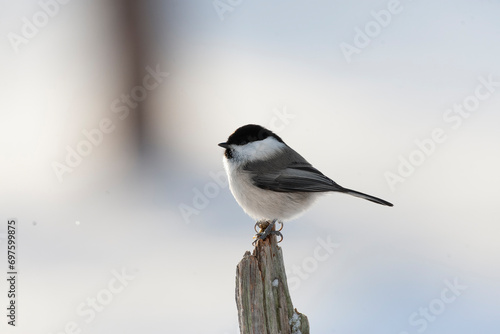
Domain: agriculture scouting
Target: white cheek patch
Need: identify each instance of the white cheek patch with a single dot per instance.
(258, 150)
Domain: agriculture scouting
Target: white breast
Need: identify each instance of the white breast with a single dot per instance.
(263, 204)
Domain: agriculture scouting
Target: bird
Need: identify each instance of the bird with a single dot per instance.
(271, 181)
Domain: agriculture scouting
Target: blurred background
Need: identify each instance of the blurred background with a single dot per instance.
(111, 112)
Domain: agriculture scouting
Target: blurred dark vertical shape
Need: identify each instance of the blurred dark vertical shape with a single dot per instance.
(134, 35)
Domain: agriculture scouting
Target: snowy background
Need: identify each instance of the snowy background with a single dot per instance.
(398, 99)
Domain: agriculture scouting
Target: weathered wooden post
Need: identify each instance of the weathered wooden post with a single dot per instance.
(262, 296)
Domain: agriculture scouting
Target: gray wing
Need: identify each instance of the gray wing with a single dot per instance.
(291, 174)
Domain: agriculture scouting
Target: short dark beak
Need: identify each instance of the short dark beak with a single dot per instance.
(225, 145)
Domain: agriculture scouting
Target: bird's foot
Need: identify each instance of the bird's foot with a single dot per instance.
(266, 228)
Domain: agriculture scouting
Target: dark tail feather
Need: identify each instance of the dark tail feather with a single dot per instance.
(365, 196)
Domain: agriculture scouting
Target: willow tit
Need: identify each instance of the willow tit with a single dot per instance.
(272, 182)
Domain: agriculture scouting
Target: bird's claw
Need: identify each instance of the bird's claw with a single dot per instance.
(266, 229)
(261, 225)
